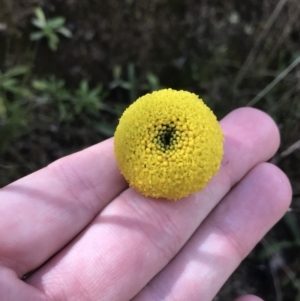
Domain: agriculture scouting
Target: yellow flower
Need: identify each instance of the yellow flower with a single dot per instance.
(168, 144)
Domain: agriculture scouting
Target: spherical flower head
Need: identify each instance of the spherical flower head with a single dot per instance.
(168, 144)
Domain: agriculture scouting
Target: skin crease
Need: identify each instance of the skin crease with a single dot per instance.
(87, 236)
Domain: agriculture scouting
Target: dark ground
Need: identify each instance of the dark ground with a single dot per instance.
(200, 46)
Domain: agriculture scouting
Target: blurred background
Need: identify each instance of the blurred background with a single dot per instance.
(69, 68)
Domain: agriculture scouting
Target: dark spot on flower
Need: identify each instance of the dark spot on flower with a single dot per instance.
(166, 136)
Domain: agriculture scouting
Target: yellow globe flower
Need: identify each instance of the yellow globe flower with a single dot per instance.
(168, 144)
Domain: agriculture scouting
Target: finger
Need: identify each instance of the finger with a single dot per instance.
(248, 298)
(225, 238)
(12, 288)
(134, 237)
(45, 210)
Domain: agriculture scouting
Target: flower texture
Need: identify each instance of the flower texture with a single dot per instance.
(168, 144)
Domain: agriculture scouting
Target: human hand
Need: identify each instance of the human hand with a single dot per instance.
(87, 236)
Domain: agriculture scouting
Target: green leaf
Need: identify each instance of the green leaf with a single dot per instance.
(65, 32)
(56, 22)
(36, 36)
(153, 82)
(117, 71)
(2, 108)
(126, 85)
(84, 86)
(106, 129)
(115, 83)
(53, 41)
(95, 92)
(9, 84)
(25, 92)
(52, 45)
(38, 23)
(16, 71)
(40, 14)
(39, 85)
(47, 31)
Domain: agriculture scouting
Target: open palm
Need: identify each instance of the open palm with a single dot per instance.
(84, 235)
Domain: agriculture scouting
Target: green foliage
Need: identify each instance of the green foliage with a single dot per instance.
(50, 89)
(151, 83)
(49, 29)
(9, 81)
(129, 84)
(87, 99)
(11, 89)
(2, 109)
(23, 97)
(83, 100)
(13, 119)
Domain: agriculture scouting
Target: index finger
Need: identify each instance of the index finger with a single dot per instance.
(46, 209)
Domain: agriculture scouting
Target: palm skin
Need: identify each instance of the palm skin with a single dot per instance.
(86, 236)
